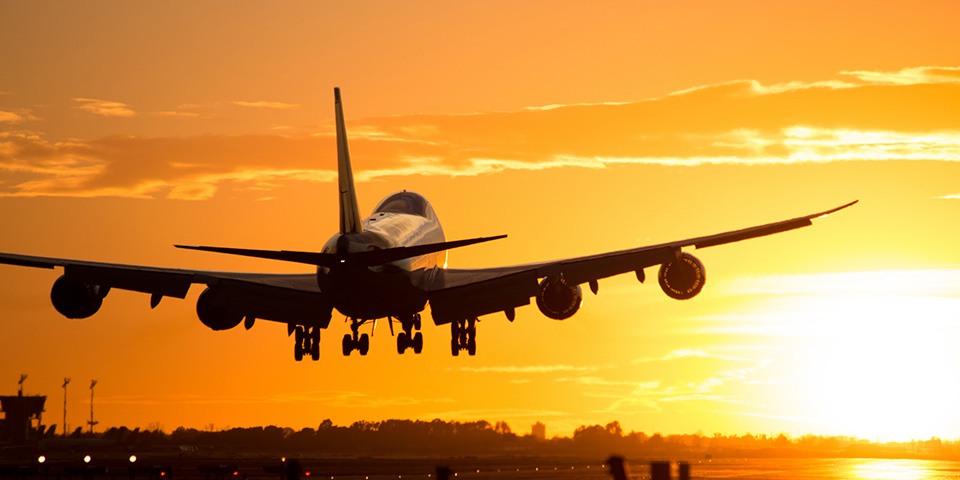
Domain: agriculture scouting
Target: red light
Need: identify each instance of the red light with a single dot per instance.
(307, 473)
(235, 473)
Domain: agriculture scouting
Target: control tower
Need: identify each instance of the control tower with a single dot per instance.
(20, 413)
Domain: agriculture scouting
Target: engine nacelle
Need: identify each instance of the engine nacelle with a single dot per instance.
(682, 278)
(217, 317)
(557, 300)
(75, 299)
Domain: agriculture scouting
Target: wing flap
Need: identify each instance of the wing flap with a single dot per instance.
(577, 271)
(268, 302)
(167, 284)
(490, 295)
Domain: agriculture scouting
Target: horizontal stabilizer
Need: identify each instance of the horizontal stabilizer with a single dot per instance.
(387, 255)
(309, 258)
(367, 258)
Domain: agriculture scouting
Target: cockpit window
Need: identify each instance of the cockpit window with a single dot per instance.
(403, 202)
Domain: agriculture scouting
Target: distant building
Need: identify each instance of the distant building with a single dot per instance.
(539, 431)
(19, 414)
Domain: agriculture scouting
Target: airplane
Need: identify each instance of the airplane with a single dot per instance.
(389, 265)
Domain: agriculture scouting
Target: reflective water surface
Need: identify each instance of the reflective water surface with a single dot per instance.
(820, 469)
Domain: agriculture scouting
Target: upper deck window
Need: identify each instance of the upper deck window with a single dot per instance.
(403, 202)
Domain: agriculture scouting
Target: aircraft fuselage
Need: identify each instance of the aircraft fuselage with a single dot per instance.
(403, 219)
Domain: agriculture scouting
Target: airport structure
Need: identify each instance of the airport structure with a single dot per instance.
(22, 420)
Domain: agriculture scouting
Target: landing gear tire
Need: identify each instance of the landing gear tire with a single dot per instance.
(418, 343)
(364, 344)
(315, 343)
(354, 341)
(298, 346)
(407, 338)
(463, 336)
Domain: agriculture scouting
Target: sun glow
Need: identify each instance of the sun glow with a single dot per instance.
(867, 353)
(890, 470)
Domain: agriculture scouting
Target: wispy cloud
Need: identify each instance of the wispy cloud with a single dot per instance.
(877, 118)
(927, 282)
(264, 104)
(326, 398)
(9, 117)
(690, 353)
(104, 107)
(179, 168)
(529, 369)
(705, 377)
(910, 76)
(494, 413)
(174, 113)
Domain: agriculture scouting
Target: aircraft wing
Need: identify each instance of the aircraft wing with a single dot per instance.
(467, 293)
(288, 298)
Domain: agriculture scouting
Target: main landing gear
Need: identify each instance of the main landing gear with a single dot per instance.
(307, 342)
(355, 341)
(407, 339)
(463, 335)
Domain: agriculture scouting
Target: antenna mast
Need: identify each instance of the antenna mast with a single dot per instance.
(23, 377)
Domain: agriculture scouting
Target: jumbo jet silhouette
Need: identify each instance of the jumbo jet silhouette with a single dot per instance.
(387, 266)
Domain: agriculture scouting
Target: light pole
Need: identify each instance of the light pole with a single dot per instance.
(66, 430)
(93, 383)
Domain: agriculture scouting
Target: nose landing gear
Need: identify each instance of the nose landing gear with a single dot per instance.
(407, 339)
(355, 341)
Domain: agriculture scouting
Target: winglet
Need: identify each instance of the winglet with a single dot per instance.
(349, 210)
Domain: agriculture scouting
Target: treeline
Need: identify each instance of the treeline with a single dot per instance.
(441, 438)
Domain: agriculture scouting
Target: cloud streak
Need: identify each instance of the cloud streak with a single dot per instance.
(528, 369)
(104, 108)
(9, 117)
(877, 116)
(264, 104)
(327, 398)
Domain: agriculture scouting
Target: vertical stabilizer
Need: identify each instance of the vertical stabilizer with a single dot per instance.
(349, 210)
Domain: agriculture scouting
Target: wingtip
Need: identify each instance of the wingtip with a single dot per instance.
(834, 210)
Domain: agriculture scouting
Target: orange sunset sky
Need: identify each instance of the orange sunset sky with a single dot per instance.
(575, 128)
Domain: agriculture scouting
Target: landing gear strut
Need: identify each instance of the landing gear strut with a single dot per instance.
(355, 341)
(407, 339)
(307, 342)
(463, 335)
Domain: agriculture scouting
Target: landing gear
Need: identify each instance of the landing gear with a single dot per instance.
(307, 342)
(355, 341)
(463, 336)
(407, 339)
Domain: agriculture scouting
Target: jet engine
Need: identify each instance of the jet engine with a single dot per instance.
(75, 299)
(557, 300)
(217, 317)
(682, 278)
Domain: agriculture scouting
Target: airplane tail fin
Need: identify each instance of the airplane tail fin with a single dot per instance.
(349, 210)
